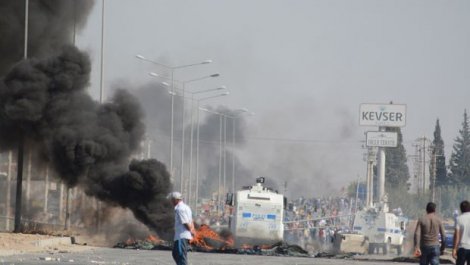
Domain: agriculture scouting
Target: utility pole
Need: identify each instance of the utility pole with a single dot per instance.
(432, 173)
(28, 181)
(8, 199)
(371, 160)
(424, 163)
(424, 176)
(19, 176)
(219, 195)
(381, 171)
(416, 169)
(19, 185)
(46, 189)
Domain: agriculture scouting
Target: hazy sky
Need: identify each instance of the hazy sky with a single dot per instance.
(303, 67)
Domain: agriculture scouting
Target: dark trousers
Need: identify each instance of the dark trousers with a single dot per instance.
(180, 251)
(462, 256)
(429, 255)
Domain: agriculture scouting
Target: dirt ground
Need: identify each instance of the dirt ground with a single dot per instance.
(13, 243)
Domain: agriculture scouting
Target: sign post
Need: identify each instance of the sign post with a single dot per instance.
(382, 116)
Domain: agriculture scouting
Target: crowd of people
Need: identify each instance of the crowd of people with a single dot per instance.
(313, 222)
(307, 221)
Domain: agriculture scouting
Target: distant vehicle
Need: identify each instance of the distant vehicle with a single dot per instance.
(381, 228)
(449, 236)
(257, 216)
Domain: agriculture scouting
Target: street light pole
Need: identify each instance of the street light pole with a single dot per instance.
(234, 119)
(182, 186)
(183, 138)
(222, 151)
(224, 191)
(220, 164)
(191, 142)
(197, 140)
(19, 166)
(233, 155)
(172, 70)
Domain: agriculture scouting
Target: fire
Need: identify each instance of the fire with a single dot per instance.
(130, 241)
(153, 239)
(207, 239)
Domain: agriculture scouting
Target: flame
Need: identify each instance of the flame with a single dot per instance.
(153, 239)
(130, 241)
(207, 239)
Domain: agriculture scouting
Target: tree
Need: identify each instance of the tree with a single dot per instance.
(439, 164)
(460, 158)
(397, 173)
(357, 188)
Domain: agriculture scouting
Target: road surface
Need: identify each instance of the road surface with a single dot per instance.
(157, 257)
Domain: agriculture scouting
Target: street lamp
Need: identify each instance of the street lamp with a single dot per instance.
(183, 89)
(172, 70)
(183, 127)
(192, 134)
(237, 115)
(197, 142)
(219, 179)
(222, 146)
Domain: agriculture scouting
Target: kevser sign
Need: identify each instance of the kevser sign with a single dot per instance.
(388, 115)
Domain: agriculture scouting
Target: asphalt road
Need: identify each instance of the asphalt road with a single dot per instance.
(157, 257)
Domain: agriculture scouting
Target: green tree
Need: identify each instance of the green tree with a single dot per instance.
(460, 158)
(440, 159)
(397, 173)
(449, 198)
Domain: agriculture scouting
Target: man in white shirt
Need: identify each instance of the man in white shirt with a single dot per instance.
(461, 249)
(184, 228)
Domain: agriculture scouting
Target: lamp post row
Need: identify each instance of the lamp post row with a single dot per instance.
(172, 85)
(223, 128)
(222, 178)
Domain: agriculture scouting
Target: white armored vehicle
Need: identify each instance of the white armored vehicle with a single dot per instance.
(382, 229)
(257, 216)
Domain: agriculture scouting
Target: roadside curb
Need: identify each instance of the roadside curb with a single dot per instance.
(53, 242)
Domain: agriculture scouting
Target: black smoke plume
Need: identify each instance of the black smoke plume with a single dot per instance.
(52, 23)
(235, 132)
(43, 101)
(89, 144)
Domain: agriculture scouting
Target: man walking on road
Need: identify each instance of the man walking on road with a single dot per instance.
(461, 250)
(426, 240)
(184, 228)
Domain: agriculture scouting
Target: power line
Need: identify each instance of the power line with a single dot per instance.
(279, 139)
(294, 140)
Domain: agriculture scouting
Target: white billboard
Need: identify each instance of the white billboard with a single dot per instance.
(381, 139)
(387, 115)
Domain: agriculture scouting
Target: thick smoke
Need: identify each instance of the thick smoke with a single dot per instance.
(156, 100)
(210, 155)
(52, 23)
(45, 103)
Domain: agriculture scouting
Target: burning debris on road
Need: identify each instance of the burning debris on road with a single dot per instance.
(150, 243)
(207, 240)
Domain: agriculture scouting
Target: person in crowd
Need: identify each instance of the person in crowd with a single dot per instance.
(184, 228)
(461, 250)
(426, 239)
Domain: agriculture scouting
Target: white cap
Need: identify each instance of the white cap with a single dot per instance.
(175, 195)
